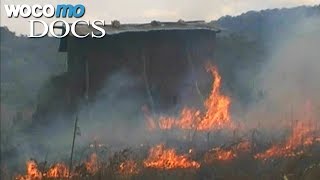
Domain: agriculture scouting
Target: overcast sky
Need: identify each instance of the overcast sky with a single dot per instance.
(133, 11)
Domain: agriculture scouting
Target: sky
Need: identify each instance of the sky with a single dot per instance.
(139, 11)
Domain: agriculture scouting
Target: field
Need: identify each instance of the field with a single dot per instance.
(200, 144)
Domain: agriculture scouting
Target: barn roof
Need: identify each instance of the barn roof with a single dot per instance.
(116, 28)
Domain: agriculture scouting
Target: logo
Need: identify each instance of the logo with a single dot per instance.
(60, 12)
(37, 11)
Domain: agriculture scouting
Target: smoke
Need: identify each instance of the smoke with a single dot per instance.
(289, 83)
(115, 117)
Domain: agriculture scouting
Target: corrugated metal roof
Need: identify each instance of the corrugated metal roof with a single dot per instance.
(118, 28)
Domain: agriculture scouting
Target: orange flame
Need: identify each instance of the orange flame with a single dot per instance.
(219, 154)
(92, 165)
(216, 116)
(58, 170)
(301, 136)
(128, 168)
(162, 158)
(224, 155)
(166, 123)
(189, 118)
(33, 173)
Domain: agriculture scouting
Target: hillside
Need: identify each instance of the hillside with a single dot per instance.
(265, 24)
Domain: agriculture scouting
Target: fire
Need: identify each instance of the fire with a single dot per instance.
(218, 154)
(225, 155)
(166, 123)
(33, 173)
(189, 118)
(162, 158)
(128, 168)
(92, 165)
(302, 135)
(58, 170)
(216, 115)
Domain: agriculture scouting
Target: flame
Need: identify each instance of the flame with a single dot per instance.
(33, 173)
(301, 136)
(162, 158)
(218, 154)
(224, 155)
(189, 118)
(216, 116)
(128, 168)
(92, 165)
(58, 170)
(166, 123)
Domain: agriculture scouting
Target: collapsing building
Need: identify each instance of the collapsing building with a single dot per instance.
(161, 54)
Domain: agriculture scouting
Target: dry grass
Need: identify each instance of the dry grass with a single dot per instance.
(244, 166)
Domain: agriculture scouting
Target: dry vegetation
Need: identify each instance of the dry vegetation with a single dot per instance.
(168, 164)
(196, 154)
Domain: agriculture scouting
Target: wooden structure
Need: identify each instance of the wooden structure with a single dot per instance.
(161, 55)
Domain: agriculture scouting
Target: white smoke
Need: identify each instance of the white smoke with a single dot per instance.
(289, 81)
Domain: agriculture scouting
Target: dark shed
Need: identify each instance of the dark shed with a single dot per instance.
(160, 54)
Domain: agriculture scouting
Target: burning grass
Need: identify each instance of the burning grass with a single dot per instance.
(301, 136)
(234, 161)
(216, 115)
(161, 158)
(199, 157)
